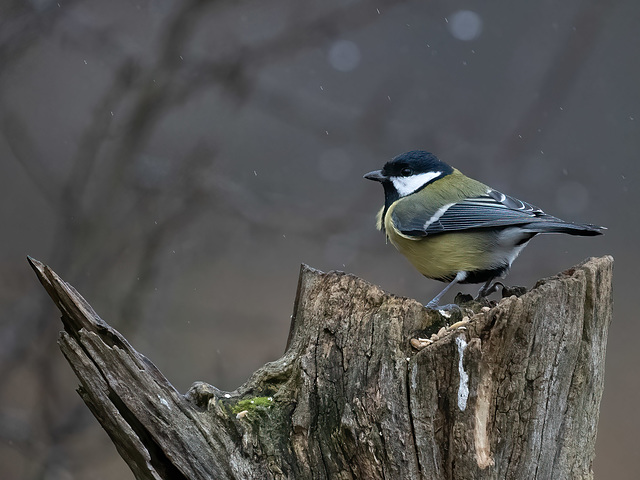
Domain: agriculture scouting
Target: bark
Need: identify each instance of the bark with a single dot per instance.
(513, 394)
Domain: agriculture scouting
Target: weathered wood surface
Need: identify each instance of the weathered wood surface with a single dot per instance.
(514, 395)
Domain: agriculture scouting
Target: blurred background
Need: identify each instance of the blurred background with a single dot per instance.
(176, 161)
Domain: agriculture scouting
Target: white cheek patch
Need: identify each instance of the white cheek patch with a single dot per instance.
(407, 185)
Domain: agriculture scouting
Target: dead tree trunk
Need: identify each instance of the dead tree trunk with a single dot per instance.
(513, 395)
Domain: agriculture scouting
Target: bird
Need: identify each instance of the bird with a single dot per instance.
(455, 229)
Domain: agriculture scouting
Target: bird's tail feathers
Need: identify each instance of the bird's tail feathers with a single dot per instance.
(565, 227)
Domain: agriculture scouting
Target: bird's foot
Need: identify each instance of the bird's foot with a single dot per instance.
(487, 289)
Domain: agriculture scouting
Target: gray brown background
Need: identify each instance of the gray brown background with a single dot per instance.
(177, 161)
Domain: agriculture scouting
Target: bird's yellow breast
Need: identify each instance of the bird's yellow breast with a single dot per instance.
(442, 256)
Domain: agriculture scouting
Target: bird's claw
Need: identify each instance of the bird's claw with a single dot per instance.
(487, 290)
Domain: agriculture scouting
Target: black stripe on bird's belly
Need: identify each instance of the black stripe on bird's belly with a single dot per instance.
(480, 276)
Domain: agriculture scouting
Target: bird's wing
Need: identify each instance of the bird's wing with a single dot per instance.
(494, 209)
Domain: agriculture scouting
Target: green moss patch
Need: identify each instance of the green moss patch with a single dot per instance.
(252, 405)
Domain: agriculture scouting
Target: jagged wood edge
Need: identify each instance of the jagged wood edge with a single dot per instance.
(151, 424)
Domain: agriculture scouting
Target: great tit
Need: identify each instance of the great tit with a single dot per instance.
(453, 228)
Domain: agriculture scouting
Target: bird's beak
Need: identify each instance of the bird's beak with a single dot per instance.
(376, 175)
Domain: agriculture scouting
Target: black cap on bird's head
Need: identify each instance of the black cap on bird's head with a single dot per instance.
(407, 173)
(414, 162)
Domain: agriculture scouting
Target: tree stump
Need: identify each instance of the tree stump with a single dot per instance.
(513, 394)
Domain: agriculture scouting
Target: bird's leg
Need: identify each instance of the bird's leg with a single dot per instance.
(433, 304)
(488, 288)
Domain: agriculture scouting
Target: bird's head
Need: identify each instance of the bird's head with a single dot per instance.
(409, 173)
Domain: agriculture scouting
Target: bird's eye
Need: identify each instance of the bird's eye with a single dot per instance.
(406, 172)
